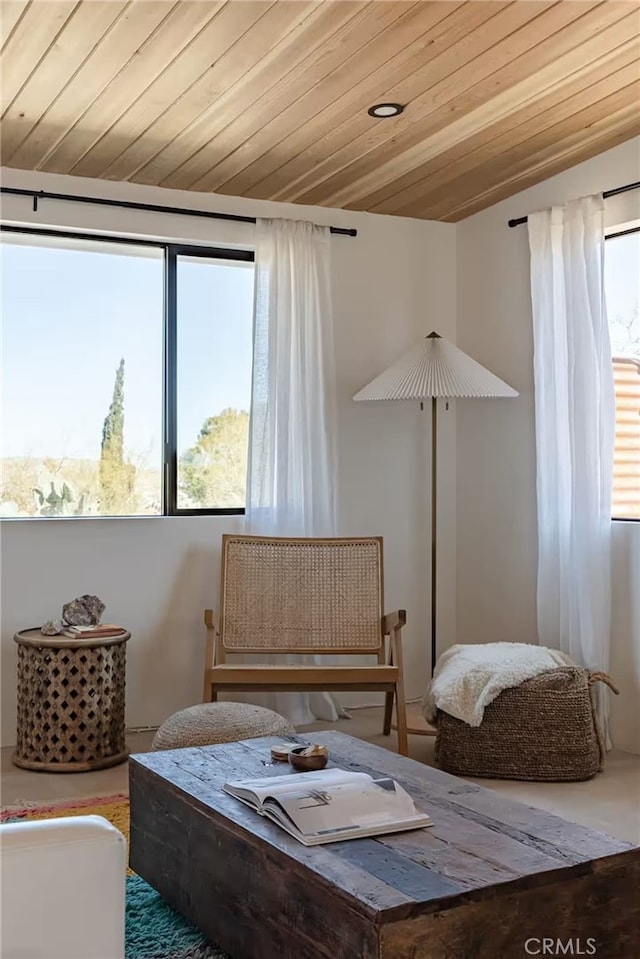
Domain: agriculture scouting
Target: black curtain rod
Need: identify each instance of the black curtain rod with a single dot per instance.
(37, 195)
(606, 194)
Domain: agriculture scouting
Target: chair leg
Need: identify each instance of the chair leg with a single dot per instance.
(209, 694)
(401, 720)
(388, 710)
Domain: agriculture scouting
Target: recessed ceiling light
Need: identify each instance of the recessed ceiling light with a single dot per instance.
(385, 110)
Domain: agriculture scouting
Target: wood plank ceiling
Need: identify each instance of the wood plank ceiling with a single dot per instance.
(269, 99)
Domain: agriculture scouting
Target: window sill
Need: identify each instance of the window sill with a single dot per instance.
(76, 519)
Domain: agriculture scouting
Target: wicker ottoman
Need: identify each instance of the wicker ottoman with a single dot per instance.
(209, 723)
(543, 730)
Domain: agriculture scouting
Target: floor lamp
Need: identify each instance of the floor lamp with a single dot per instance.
(434, 369)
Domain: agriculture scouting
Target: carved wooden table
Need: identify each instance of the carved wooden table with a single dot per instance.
(490, 879)
(70, 702)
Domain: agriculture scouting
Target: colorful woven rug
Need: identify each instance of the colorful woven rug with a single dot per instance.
(153, 929)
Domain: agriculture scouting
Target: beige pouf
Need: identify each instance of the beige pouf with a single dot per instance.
(209, 723)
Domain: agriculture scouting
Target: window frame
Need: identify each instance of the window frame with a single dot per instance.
(171, 252)
(613, 235)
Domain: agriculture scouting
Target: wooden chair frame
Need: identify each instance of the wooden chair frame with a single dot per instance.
(386, 675)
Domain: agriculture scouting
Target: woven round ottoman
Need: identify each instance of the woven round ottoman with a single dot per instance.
(209, 723)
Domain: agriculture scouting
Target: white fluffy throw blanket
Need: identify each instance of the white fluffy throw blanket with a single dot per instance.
(468, 678)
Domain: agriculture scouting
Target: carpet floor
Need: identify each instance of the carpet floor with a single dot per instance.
(153, 930)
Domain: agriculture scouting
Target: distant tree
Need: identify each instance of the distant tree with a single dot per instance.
(19, 477)
(113, 429)
(625, 334)
(213, 472)
(71, 484)
(117, 476)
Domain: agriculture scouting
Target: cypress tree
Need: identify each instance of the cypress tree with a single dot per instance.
(113, 428)
(116, 477)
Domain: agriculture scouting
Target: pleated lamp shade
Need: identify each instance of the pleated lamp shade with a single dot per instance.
(434, 367)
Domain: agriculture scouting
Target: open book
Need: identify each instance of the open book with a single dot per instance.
(330, 805)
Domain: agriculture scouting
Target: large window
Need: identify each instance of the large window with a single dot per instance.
(126, 376)
(622, 282)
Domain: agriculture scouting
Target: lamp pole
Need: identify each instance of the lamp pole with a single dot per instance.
(434, 517)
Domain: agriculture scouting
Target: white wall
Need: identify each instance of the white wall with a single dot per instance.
(392, 284)
(496, 516)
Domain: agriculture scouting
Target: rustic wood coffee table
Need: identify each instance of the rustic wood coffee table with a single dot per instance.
(492, 879)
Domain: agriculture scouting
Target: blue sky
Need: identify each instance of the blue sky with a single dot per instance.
(69, 316)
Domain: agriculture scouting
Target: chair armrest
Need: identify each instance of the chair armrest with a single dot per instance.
(213, 634)
(394, 621)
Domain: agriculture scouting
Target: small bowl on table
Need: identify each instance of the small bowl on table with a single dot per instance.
(308, 758)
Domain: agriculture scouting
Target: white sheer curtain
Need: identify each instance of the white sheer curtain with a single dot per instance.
(291, 478)
(575, 424)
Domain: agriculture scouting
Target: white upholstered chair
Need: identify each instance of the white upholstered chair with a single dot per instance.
(62, 884)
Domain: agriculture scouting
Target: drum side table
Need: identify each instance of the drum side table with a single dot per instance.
(70, 702)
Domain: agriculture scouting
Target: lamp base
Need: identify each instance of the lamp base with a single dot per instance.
(417, 725)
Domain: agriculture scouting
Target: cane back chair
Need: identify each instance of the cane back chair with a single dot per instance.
(282, 596)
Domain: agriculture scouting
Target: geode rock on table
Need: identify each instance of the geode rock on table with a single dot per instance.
(84, 611)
